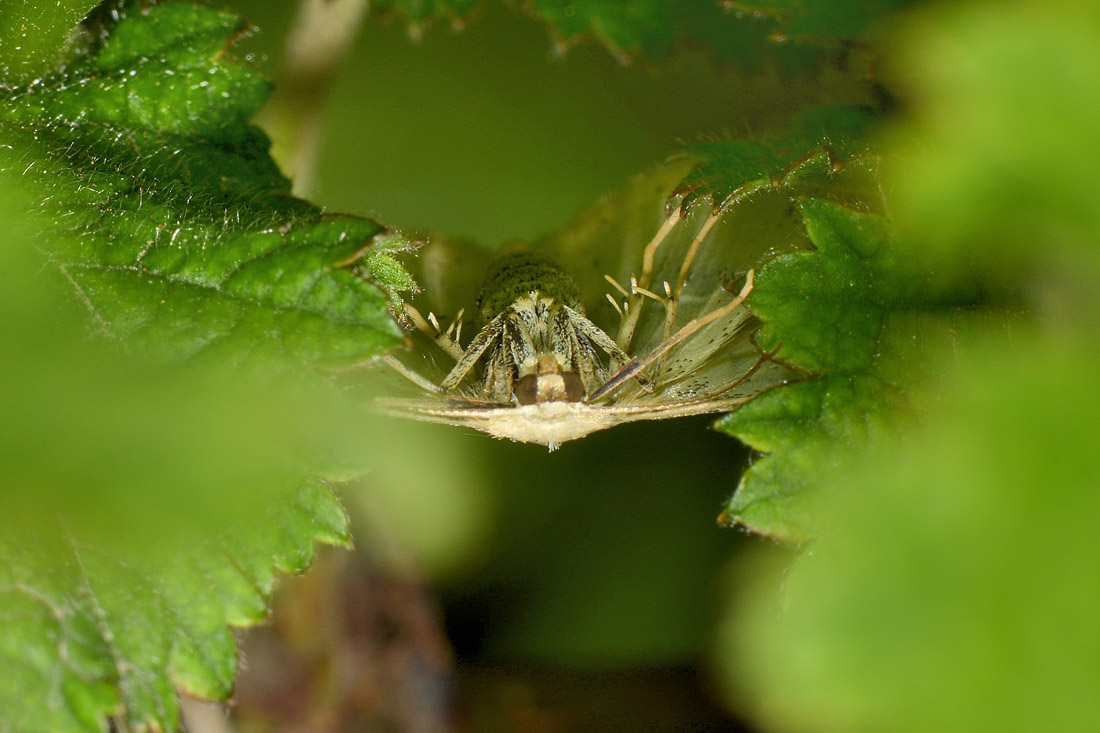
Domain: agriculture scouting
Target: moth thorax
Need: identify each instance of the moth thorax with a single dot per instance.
(517, 276)
(545, 379)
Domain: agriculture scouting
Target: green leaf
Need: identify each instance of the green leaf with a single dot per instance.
(147, 503)
(142, 508)
(188, 239)
(742, 32)
(854, 315)
(952, 581)
(796, 19)
(997, 158)
(802, 424)
(33, 35)
(90, 632)
(805, 153)
(823, 311)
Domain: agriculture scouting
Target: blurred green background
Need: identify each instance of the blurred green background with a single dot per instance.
(487, 133)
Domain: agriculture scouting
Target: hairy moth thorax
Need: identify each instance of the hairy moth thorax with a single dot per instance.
(535, 342)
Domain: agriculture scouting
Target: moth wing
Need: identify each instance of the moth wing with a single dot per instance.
(551, 423)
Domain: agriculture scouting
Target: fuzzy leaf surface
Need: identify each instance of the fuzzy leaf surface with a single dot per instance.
(738, 32)
(186, 237)
(149, 497)
(855, 316)
(90, 632)
(798, 156)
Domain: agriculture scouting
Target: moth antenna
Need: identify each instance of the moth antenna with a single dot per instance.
(615, 305)
(685, 268)
(418, 320)
(615, 284)
(441, 339)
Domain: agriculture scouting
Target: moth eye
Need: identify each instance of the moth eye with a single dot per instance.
(526, 389)
(574, 388)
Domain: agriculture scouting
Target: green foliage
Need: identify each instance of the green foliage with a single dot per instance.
(148, 497)
(143, 509)
(1008, 109)
(735, 31)
(88, 632)
(856, 314)
(188, 239)
(805, 152)
(954, 586)
(951, 582)
(33, 35)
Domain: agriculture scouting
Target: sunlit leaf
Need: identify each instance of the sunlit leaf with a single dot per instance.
(184, 236)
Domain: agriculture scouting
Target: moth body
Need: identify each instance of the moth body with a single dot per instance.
(536, 343)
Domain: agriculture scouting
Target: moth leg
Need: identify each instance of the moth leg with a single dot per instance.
(477, 347)
(410, 375)
(499, 376)
(514, 349)
(581, 356)
(685, 268)
(636, 365)
(596, 335)
(432, 331)
(633, 310)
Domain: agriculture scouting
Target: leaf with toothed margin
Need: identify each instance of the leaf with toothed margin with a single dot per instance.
(855, 315)
(733, 32)
(797, 156)
(187, 239)
(147, 503)
(89, 632)
(626, 29)
(794, 19)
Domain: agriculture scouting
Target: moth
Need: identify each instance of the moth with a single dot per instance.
(537, 369)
